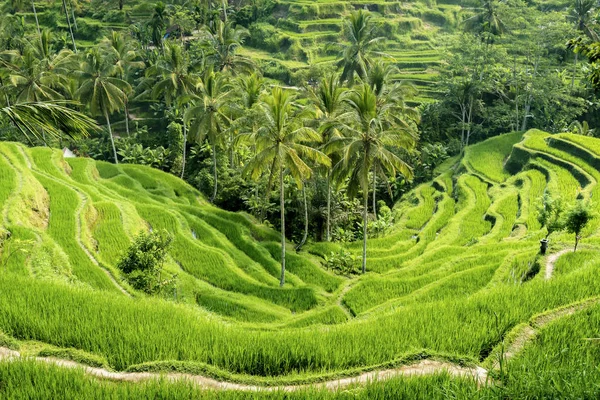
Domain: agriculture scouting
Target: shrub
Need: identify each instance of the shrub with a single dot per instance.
(343, 262)
(88, 31)
(577, 219)
(142, 265)
(550, 213)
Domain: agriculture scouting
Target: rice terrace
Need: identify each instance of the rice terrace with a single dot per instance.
(292, 199)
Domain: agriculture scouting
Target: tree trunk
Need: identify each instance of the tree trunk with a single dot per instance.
(282, 210)
(365, 218)
(184, 149)
(577, 237)
(527, 107)
(462, 125)
(121, 5)
(328, 224)
(37, 23)
(231, 150)
(112, 140)
(127, 117)
(574, 71)
(525, 114)
(469, 119)
(374, 193)
(214, 154)
(69, 25)
(73, 15)
(305, 236)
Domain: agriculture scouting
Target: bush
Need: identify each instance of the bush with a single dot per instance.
(343, 262)
(142, 265)
(115, 16)
(88, 31)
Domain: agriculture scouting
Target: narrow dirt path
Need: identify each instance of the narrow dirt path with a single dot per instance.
(423, 367)
(340, 300)
(528, 333)
(552, 258)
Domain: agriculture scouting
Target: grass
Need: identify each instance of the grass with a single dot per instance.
(454, 276)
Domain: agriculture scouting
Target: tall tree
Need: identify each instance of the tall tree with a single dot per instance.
(126, 59)
(37, 22)
(280, 143)
(69, 25)
(101, 90)
(208, 115)
(359, 32)
(581, 16)
(222, 43)
(487, 21)
(157, 23)
(40, 74)
(373, 129)
(171, 79)
(328, 98)
(394, 95)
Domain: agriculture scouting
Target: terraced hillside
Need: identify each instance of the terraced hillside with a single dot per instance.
(459, 280)
(302, 34)
(309, 31)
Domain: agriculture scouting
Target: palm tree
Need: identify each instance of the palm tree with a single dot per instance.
(395, 96)
(171, 79)
(360, 33)
(246, 90)
(222, 43)
(280, 148)
(126, 59)
(208, 115)
(373, 128)
(54, 118)
(328, 99)
(581, 15)
(101, 90)
(487, 21)
(37, 23)
(40, 74)
(69, 25)
(157, 24)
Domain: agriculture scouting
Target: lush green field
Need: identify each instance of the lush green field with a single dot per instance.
(453, 280)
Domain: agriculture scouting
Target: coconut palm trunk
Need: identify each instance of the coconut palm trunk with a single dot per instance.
(184, 149)
(328, 234)
(374, 193)
(574, 71)
(69, 25)
(37, 23)
(305, 236)
(214, 157)
(365, 217)
(127, 117)
(282, 210)
(73, 15)
(110, 134)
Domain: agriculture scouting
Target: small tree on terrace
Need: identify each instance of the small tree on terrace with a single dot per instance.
(142, 265)
(550, 212)
(577, 218)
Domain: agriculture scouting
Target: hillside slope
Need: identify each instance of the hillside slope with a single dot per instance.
(458, 274)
